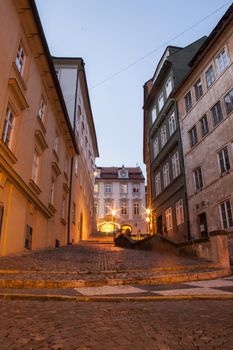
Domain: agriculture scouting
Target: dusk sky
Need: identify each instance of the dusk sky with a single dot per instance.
(126, 36)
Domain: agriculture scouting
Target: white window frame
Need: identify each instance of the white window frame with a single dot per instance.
(161, 101)
(136, 188)
(210, 78)
(228, 214)
(222, 60)
(41, 110)
(56, 143)
(96, 188)
(168, 217)
(179, 212)
(163, 135)
(153, 114)
(8, 127)
(175, 165)
(158, 188)
(168, 87)
(136, 209)
(52, 192)
(35, 166)
(198, 179)
(20, 59)
(124, 208)
(172, 123)
(156, 147)
(107, 188)
(166, 175)
(123, 188)
(224, 160)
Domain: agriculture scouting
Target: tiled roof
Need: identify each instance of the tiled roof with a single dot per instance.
(112, 172)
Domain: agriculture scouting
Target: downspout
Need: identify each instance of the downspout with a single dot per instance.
(72, 161)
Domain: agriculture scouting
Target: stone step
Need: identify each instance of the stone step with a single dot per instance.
(28, 281)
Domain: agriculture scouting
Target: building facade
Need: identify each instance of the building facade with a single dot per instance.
(120, 199)
(37, 141)
(162, 144)
(205, 101)
(72, 78)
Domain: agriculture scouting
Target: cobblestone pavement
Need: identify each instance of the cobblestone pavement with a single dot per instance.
(92, 257)
(181, 325)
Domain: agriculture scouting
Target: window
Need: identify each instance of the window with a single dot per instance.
(123, 188)
(228, 99)
(175, 165)
(168, 87)
(198, 89)
(52, 192)
(63, 208)
(41, 111)
(8, 127)
(96, 188)
(73, 213)
(222, 61)
(198, 179)
(179, 212)
(108, 188)
(28, 237)
(20, 59)
(172, 123)
(56, 143)
(204, 125)
(166, 177)
(96, 209)
(193, 136)
(163, 135)
(156, 147)
(216, 111)
(76, 166)
(107, 208)
(226, 214)
(124, 208)
(153, 113)
(210, 77)
(161, 101)
(188, 101)
(35, 166)
(136, 188)
(136, 209)
(157, 184)
(168, 215)
(224, 161)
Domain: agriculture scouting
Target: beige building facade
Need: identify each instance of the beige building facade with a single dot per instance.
(38, 145)
(120, 200)
(73, 82)
(205, 103)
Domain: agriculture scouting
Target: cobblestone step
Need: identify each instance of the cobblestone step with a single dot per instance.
(75, 281)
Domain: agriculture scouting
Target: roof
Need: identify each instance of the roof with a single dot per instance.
(134, 173)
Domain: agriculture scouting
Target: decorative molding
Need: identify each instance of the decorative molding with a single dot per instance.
(56, 168)
(34, 186)
(17, 93)
(40, 122)
(40, 138)
(66, 187)
(51, 209)
(7, 153)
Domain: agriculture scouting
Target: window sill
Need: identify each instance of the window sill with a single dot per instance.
(51, 208)
(7, 153)
(40, 122)
(34, 186)
(63, 221)
(19, 77)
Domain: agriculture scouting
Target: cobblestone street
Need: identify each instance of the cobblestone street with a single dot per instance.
(186, 325)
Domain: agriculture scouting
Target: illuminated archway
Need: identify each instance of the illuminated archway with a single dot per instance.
(107, 227)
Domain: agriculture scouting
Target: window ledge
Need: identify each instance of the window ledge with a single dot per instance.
(63, 221)
(34, 186)
(41, 124)
(7, 153)
(19, 77)
(51, 208)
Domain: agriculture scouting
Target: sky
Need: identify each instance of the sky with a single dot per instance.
(121, 42)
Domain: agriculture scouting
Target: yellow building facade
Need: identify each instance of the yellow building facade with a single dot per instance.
(36, 136)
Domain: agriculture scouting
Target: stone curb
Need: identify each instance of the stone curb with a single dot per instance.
(166, 279)
(48, 297)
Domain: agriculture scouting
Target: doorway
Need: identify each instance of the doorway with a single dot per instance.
(159, 224)
(203, 228)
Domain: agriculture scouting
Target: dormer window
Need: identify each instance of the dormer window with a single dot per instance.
(123, 173)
